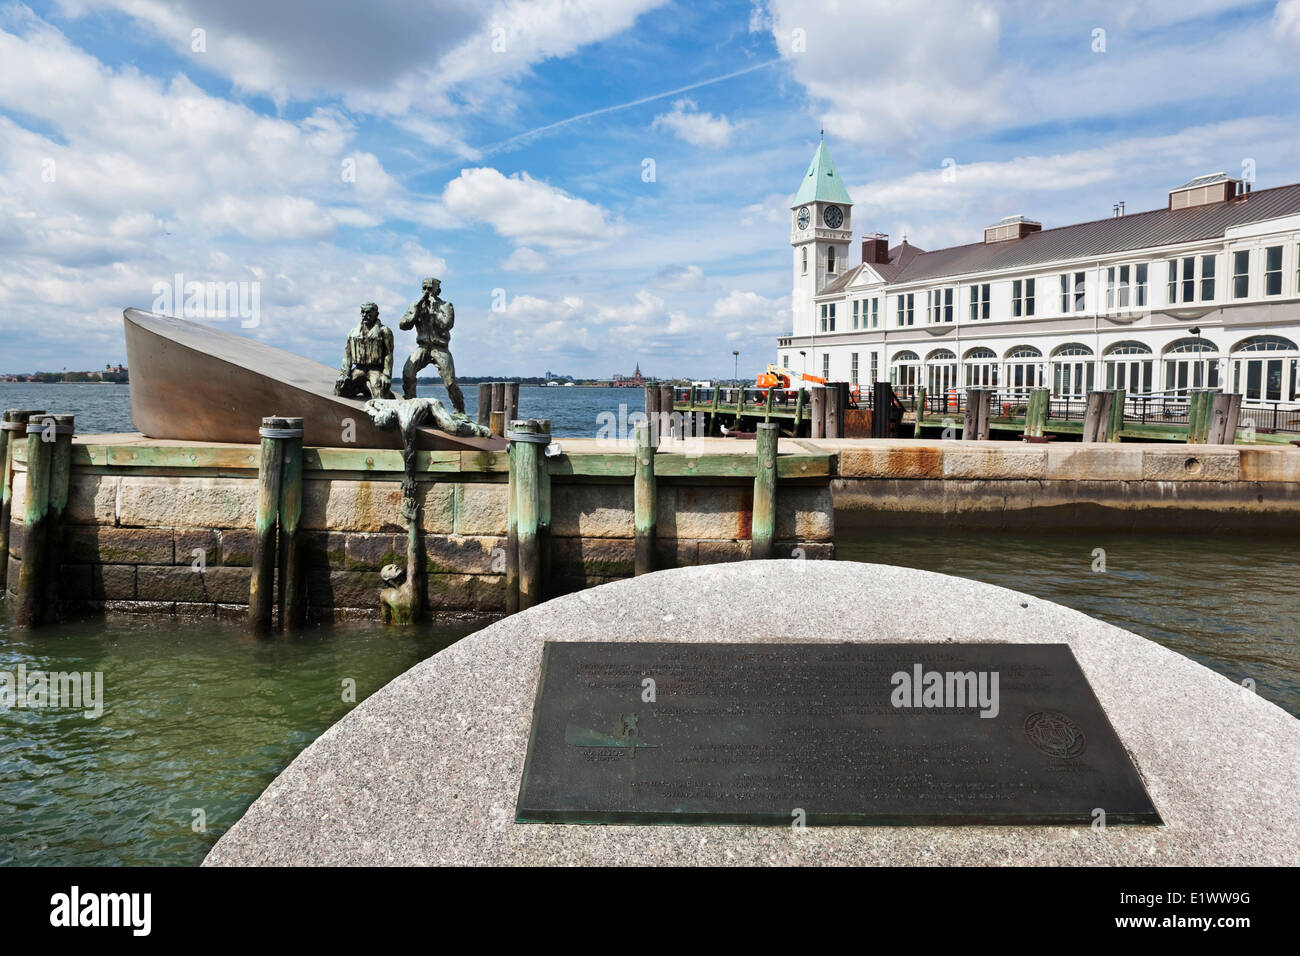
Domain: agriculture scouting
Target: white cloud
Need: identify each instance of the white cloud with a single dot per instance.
(528, 211)
(1286, 21)
(524, 259)
(700, 129)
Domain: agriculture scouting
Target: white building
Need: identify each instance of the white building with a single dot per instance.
(1201, 293)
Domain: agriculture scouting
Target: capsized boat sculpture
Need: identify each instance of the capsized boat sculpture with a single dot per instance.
(193, 382)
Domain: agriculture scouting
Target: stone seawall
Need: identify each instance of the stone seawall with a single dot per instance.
(167, 527)
(1068, 485)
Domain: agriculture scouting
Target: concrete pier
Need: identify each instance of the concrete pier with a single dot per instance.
(427, 770)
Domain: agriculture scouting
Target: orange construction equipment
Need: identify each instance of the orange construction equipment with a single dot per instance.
(780, 378)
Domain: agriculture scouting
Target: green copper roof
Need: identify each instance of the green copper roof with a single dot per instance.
(822, 182)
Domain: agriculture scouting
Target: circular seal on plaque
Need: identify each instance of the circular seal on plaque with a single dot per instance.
(1055, 734)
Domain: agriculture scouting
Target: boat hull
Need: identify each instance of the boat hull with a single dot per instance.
(193, 382)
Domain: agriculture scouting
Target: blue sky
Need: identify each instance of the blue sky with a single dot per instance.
(327, 153)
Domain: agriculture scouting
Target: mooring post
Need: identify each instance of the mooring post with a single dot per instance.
(763, 522)
(1198, 416)
(645, 503)
(1036, 413)
(13, 428)
(713, 416)
(1225, 410)
(528, 440)
(798, 412)
(818, 413)
(60, 483)
(975, 421)
(510, 404)
(485, 404)
(499, 397)
(261, 587)
(41, 433)
(1116, 423)
(920, 411)
(497, 422)
(512, 532)
(293, 591)
(834, 409)
(669, 426)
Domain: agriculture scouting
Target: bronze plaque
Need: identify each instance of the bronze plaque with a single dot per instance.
(823, 734)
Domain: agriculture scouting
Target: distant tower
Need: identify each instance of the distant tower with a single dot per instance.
(820, 232)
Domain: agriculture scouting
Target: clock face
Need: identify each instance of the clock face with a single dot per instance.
(804, 217)
(834, 217)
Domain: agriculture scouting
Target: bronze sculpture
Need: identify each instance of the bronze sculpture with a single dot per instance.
(367, 370)
(432, 318)
(401, 600)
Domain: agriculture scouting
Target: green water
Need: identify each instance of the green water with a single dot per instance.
(197, 716)
(1230, 602)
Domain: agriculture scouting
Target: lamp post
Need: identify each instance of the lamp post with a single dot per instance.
(736, 373)
(804, 356)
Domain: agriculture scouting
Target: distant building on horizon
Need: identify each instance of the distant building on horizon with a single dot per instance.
(635, 380)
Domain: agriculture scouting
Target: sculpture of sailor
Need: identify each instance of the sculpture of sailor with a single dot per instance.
(432, 319)
(367, 370)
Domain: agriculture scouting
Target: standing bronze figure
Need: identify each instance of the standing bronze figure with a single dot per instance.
(367, 370)
(432, 319)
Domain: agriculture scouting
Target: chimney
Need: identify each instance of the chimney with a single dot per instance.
(875, 249)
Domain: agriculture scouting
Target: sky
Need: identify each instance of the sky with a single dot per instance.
(598, 183)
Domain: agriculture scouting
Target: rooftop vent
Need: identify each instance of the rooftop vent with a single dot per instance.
(1204, 190)
(1012, 227)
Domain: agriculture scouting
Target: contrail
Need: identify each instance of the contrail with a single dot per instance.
(532, 133)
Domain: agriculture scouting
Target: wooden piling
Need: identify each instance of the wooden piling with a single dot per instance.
(1036, 413)
(1199, 409)
(497, 422)
(484, 403)
(818, 413)
(12, 430)
(512, 536)
(261, 587)
(799, 403)
(1096, 416)
(1224, 413)
(1115, 426)
(499, 397)
(920, 411)
(55, 532)
(834, 412)
(511, 402)
(293, 581)
(31, 573)
(668, 425)
(645, 502)
(979, 411)
(529, 437)
(763, 523)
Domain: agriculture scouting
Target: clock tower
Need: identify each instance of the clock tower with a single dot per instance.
(820, 232)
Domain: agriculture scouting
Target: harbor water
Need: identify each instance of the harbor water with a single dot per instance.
(198, 718)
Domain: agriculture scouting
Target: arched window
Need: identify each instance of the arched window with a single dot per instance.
(1190, 345)
(1024, 352)
(981, 365)
(1129, 347)
(906, 356)
(1073, 371)
(830, 259)
(1265, 343)
(1072, 348)
(905, 373)
(941, 355)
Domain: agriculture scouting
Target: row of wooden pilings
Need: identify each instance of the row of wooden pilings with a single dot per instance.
(1212, 415)
(825, 406)
(277, 551)
(498, 404)
(49, 473)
